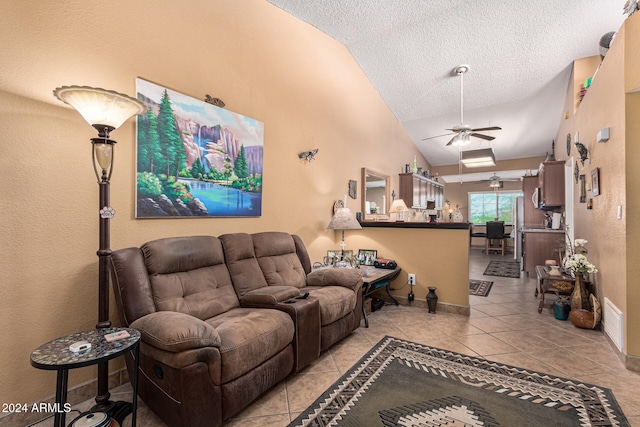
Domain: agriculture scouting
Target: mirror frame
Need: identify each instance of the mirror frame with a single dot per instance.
(368, 172)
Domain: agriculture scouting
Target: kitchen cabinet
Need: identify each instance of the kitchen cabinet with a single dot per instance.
(419, 192)
(538, 246)
(551, 183)
(532, 216)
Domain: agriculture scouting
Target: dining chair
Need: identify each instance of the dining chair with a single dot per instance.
(495, 234)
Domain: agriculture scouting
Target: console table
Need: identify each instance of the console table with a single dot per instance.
(375, 279)
(551, 284)
(55, 355)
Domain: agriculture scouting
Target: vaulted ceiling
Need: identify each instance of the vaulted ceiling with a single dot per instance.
(520, 56)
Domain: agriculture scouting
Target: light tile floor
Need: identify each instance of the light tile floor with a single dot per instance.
(504, 327)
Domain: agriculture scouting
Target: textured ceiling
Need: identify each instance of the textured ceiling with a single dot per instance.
(520, 54)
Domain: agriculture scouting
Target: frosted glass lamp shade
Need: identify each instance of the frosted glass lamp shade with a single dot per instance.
(461, 138)
(104, 155)
(100, 106)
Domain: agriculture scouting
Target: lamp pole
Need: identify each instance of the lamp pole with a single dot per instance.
(103, 166)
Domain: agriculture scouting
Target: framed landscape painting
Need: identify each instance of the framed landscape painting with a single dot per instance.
(195, 159)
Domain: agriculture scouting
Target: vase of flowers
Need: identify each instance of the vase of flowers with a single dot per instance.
(576, 263)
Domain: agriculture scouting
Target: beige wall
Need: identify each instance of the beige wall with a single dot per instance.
(304, 86)
(613, 247)
(438, 257)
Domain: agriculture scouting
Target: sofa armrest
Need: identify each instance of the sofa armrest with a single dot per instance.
(268, 296)
(176, 332)
(346, 277)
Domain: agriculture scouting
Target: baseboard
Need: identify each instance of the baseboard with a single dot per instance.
(422, 303)
(75, 395)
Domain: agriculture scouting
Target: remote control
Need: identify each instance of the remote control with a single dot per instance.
(306, 294)
(117, 336)
(80, 346)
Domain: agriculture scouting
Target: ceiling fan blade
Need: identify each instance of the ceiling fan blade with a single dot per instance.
(485, 137)
(451, 140)
(483, 129)
(437, 136)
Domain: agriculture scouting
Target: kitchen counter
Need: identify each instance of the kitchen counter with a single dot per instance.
(541, 230)
(417, 224)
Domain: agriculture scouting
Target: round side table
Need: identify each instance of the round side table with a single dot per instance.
(56, 356)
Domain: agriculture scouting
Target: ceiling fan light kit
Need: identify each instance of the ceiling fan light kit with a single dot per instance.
(478, 158)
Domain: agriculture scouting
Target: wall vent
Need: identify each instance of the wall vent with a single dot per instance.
(613, 323)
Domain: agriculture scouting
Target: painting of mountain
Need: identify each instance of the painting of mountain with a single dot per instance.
(195, 159)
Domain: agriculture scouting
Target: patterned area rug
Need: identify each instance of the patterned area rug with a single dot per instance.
(480, 288)
(401, 383)
(503, 269)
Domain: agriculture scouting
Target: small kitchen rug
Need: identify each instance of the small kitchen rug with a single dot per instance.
(480, 288)
(403, 383)
(503, 269)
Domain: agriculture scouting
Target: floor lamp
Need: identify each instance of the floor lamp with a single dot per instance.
(106, 111)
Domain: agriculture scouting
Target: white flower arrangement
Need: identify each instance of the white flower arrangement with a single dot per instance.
(575, 262)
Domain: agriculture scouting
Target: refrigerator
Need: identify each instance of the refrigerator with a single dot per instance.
(517, 216)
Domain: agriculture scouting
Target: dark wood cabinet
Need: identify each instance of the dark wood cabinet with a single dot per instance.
(551, 183)
(532, 216)
(538, 247)
(419, 192)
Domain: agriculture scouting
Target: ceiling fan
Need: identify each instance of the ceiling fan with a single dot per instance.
(462, 133)
(496, 182)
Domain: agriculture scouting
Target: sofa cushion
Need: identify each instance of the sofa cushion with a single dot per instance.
(242, 263)
(278, 260)
(188, 275)
(335, 301)
(250, 336)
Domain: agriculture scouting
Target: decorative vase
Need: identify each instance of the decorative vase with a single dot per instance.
(432, 299)
(561, 310)
(579, 296)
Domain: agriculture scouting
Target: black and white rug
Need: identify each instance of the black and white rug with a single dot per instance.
(402, 383)
(480, 288)
(503, 269)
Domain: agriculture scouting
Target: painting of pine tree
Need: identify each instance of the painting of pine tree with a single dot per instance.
(195, 159)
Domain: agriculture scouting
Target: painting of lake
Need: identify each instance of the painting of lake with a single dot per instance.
(195, 159)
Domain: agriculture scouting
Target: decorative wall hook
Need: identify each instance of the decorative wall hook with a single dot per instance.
(215, 101)
(308, 155)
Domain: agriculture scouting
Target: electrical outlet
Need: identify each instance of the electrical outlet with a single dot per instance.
(412, 279)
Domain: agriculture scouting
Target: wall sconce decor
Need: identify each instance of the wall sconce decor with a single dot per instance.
(309, 156)
(106, 111)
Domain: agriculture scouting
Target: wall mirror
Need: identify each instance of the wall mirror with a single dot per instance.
(375, 195)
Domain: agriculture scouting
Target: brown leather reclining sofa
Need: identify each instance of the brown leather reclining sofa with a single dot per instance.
(224, 319)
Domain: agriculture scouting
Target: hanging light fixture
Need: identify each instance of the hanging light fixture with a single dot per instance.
(495, 182)
(478, 158)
